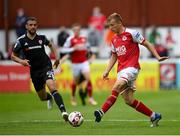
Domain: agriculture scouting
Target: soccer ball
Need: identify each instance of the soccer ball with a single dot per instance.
(75, 118)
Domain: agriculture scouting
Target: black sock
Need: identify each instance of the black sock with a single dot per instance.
(48, 96)
(82, 96)
(59, 101)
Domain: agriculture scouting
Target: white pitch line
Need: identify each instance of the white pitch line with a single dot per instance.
(86, 120)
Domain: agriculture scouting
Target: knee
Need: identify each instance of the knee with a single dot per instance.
(128, 101)
(43, 98)
(52, 87)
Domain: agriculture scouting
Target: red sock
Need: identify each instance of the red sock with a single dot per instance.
(73, 89)
(89, 88)
(110, 101)
(139, 106)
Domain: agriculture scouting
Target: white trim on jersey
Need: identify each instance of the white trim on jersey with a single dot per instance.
(136, 35)
(22, 36)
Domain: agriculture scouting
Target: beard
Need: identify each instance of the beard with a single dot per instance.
(32, 32)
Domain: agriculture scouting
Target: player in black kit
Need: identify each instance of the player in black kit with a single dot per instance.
(39, 63)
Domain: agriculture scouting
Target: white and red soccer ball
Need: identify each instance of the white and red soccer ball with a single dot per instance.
(75, 118)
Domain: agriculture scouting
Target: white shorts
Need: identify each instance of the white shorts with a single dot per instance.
(129, 75)
(79, 68)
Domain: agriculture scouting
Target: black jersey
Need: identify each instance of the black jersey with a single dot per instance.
(34, 51)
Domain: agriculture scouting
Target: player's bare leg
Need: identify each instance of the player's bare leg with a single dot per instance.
(128, 97)
(73, 98)
(57, 97)
(44, 96)
(74, 86)
(119, 86)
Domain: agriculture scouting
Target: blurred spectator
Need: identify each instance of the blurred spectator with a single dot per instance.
(20, 22)
(51, 54)
(93, 37)
(155, 38)
(108, 37)
(1, 55)
(96, 23)
(9, 52)
(61, 38)
(170, 42)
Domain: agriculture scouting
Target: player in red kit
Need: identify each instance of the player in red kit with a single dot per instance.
(125, 51)
(80, 64)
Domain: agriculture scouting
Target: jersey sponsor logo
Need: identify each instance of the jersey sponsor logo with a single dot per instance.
(124, 38)
(40, 41)
(26, 44)
(121, 50)
(81, 46)
(35, 47)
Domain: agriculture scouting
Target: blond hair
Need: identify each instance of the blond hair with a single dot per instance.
(117, 17)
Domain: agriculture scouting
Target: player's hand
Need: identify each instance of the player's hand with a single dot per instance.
(163, 58)
(25, 62)
(105, 75)
(56, 63)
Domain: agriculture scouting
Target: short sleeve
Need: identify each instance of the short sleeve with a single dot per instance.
(46, 41)
(17, 47)
(137, 37)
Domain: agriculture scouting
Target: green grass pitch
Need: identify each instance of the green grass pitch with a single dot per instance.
(25, 114)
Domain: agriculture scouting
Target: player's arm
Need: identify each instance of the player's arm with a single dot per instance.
(54, 51)
(151, 48)
(64, 58)
(110, 65)
(137, 37)
(15, 55)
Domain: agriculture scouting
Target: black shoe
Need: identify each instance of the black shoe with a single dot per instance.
(82, 96)
(98, 115)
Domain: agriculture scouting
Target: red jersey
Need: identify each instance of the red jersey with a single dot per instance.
(125, 46)
(80, 55)
(98, 22)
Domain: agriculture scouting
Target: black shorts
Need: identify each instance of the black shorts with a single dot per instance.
(39, 77)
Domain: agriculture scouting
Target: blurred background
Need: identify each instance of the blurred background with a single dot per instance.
(157, 20)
